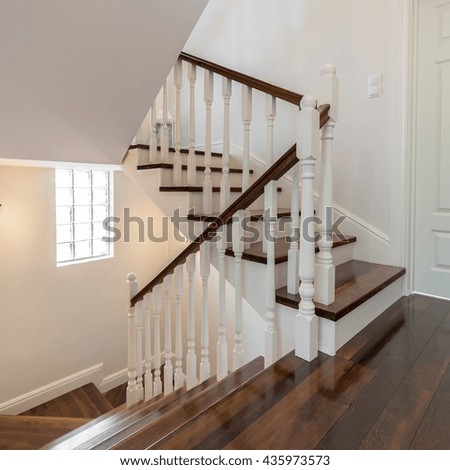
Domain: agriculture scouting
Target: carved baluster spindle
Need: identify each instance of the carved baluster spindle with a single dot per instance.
(165, 129)
(271, 111)
(225, 182)
(177, 165)
(139, 350)
(222, 344)
(132, 392)
(191, 358)
(325, 270)
(168, 366)
(308, 142)
(191, 162)
(148, 377)
(205, 254)
(238, 248)
(153, 153)
(207, 183)
(293, 253)
(157, 383)
(179, 377)
(270, 210)
(246, 121)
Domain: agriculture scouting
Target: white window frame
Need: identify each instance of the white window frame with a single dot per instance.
(73, 223)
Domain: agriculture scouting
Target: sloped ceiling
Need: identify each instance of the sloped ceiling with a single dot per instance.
(78, 76)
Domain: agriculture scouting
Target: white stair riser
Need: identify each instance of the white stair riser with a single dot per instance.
(167, 178)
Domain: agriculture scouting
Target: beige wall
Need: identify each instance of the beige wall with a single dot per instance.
(55, 322)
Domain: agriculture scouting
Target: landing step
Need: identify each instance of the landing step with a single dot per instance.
(356, 282)
(256, 215)
(34, 432)
(255, 252)
(84, 402)
(197, 189)
(169, 166)
(172, 150)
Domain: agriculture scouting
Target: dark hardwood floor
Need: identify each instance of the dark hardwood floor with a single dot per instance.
(388, 388)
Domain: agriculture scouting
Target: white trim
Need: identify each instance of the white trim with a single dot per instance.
(431, 295)
(53, 390)
(51, 164)
(113, 380)
(352, 217)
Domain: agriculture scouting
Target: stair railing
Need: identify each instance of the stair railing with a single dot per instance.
(155, 297)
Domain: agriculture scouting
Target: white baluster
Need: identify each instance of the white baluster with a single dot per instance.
(139, 358)
(148, 377)
(238, 248)
(191, 358)
(132, 392)
(225, 182)
(271, 103)
(142, 139)
(165, 130)
(191, 162)
(325, 269)
(179, 377)
(222, 344)
(177, 165)
(293, 253)
(207, 183)
(168, 367)
(153, 135)
(205, 367)
(306, 322)
(270, 334)
(246, 121)
(157, 383)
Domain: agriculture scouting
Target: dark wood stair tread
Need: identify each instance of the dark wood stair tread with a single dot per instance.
(84, 402)
(256, 215)
(356, 282)
(255, 252)
(198, 189)
(183, 151)
(182, 414)
(34, 432)
(117, 396)
(169, 166)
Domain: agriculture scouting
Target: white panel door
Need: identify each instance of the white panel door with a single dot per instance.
(432, 230)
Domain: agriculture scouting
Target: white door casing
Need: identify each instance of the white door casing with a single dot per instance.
(432, 202)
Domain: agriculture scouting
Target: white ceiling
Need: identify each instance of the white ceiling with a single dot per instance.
(78, 77)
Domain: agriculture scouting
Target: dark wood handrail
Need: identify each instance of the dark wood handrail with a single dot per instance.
(278, 92)
(275, 172)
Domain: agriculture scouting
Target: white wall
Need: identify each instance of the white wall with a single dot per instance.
(286, 43)
(55, 322)
(79, 76)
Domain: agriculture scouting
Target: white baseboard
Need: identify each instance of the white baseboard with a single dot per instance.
(53, 390)
(114, 380)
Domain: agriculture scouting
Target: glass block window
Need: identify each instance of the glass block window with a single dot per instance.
(83, 202)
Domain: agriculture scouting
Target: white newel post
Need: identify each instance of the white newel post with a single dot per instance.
(207, 183)
(308, 142)
(325, 269)
(225, 182)
(179, 376)
(293, 278)
(270, 211)
(153, 142)
(148, 377)
(132, 391)
(205, 367)
(191, 162)
(157, 383)
(222, 344)
(246, 121)
(139, 357)
(168, 366)
(238, 248)
(165, 130)
(177, 165)
(191, 357)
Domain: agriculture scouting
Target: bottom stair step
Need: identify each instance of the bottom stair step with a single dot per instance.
(34, 432)
(356, 282)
